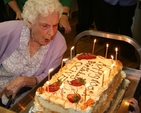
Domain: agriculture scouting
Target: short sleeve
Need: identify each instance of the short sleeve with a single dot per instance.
(66, 3)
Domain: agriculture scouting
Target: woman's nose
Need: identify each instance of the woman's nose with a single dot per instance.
(50, 31)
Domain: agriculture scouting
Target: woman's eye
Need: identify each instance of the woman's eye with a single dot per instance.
(45, 26)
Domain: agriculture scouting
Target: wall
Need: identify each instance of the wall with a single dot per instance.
(136, 27)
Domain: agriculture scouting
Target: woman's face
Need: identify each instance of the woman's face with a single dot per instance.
(44, 28)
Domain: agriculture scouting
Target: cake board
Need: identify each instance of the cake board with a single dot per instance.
(118, 97)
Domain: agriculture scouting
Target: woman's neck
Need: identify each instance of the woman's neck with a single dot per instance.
(33, 47)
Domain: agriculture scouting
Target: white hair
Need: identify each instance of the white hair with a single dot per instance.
(33, 8)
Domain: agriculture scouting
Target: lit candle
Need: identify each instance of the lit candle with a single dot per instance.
(71, 52)
(63, 60)
(62, 90)
(107, 45)
(86, 86)
(47, 85)
(49, 73)
(116, 49)
(112, 57)
(93, 46)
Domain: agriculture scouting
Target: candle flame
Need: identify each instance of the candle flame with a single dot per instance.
(87, 85)
(112, 65)
(47, 82)
(105, 72)
(94, 40)
(72, 47)
(107, 45)
(62, 86)
(116, 49)
(112, 57)
(65, 59)
(51, 70)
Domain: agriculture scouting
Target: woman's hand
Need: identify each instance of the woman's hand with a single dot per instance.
(14, 86)
(134, 103)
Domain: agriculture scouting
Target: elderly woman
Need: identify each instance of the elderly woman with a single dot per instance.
(29, 48)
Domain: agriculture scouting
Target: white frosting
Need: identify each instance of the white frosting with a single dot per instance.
(93, 70)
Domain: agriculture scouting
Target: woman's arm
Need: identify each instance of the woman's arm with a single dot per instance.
(14, 86)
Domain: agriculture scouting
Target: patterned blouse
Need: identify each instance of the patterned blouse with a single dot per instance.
(20, 63)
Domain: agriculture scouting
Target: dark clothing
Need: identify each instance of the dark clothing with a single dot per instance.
(122, 2)
(89, 11)
(118, 19)
(3, 13)
(85, 15)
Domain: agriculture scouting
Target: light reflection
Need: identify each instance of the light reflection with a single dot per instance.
(32, 97)
(22, 107)
(126, 103)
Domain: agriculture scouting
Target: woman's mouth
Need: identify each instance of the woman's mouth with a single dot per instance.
(47, 41)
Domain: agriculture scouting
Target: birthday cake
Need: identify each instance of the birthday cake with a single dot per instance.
(86, 84)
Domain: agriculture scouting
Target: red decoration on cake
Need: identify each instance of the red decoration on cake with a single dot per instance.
(54, 87)
(73, 98)
(78, 82)
(86, 56)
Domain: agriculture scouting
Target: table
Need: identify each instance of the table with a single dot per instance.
(4, 110)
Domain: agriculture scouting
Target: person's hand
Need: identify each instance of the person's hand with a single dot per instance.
(64, 22)
(14, 86)
(18, 15)
(134, 103)
(13, 4)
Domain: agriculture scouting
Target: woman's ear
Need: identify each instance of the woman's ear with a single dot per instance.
(29, 25)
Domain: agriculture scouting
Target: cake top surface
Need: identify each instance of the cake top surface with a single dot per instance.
(83, 79)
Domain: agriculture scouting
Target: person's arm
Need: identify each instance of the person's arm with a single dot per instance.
(64, 21)
(14, 86)
(14, 29)
(13, 4)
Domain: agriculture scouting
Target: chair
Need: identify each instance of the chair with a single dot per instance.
(10, 101)
(106, 35)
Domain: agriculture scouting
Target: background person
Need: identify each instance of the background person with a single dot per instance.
(118, 18)
(89, 13)
(17, 7)
(29, 48)
(64, 21)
